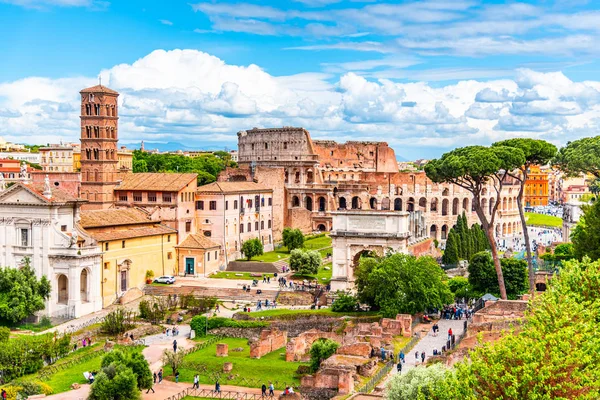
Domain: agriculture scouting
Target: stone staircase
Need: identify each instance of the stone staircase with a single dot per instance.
(280, 264)
(228, 294)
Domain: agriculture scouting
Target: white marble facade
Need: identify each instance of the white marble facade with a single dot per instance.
(42, 224)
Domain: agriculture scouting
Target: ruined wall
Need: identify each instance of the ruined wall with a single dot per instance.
(298, 347)
(270, 340)
(423, 248)
(275, 145)
(373, 156)
(300, 218)
(69, 182)
(501, 310)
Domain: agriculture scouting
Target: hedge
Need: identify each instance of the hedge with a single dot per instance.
(199, 324)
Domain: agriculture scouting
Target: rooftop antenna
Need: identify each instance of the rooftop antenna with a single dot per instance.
(100, 80)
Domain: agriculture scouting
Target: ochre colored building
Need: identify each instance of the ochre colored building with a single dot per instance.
(198, 256)
(131, 244)
(536, 187)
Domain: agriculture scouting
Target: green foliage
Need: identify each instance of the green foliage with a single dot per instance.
(536, 151)
(420, 383)
(196, 305)
(4, 334)
(115, 382)
(172, 359)
(321, 350)
(404, 284)
(450, 255)
(117, 321)
(555, 355)
(21, 293)
(200, 324)
(26, 354)
(482, 275)
(580, 156)
(292, 238)
(344, 302)
(463, 242)
(365, 292)
(135, 362)
(459, 286)
(252, 248)
(562, 252)
(305, 262)
(586, 235)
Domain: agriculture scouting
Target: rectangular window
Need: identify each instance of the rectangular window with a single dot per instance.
(122, 196)
(182, 197)
(266, 146)
(285, 145)
(152, 197)
(106, 265)
(208, 255)
(106, 246)
(25, 237)
(63, 228)
(166, 197)
(249, 203)
(200, 205)
(226, 205)
(270, 201)
(188, 226)
(269, 224)
(169, 255)
(122, 244)
(215, 255)
(137, 197)
(256, 226)
(235, 204)
(212, 205)
(262, 202)
(262, 224)
(249, 226)
(242, 228)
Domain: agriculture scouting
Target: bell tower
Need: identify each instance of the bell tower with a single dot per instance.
(99, 136)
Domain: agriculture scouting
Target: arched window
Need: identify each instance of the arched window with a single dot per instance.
(455, 207)
(355, 203)
(309, 203)
(322, 204)
(83, 285)
(373, 203)
(342, 203)
(398, 204)
(63, 289)
(295, 201)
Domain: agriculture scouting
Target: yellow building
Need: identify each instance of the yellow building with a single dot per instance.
(77, 159)
(56, 158)
(125, 159)
(198, 256)
(536, 187)
(131, 244)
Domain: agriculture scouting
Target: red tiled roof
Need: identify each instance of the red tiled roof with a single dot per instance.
(156, 181)
(197, 241)
(98, 89)
(233, 187)
(120, 234)
(114, 217)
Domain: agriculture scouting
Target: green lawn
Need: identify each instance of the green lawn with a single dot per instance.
(282, 253)
(271, 367)
(323, 276)
(535, 219)
(235, 275)
(280, 312)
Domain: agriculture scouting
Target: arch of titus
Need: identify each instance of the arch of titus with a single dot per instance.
(357, 232)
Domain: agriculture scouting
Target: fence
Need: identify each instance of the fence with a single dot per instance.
(211, 394)
(52, 369)
(375, 379)
(85, 324)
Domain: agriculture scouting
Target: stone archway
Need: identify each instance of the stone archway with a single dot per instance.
(433, 232)
(398, 204)
(295, 201)
(63, 289)
(322, 204)
(540, 287)
(373, 203)
(342, 203)
(308, 201)
(321, 228)
(356, 203)
(364, 251)
(84, 285)
(385, 203)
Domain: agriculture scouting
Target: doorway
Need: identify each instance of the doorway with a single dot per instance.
(189, 266)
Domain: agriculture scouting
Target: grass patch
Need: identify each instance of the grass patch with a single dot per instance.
(399, 342)
(323, 275)
(534, 219)
(236, 275)
(283, 312)
(160, 284)
(39, 327)
(321, 242)
(271, 367)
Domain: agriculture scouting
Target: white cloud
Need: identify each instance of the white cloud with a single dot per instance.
(198, 99)
(166, 22)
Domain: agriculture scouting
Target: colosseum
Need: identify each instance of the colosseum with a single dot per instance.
(311, 178)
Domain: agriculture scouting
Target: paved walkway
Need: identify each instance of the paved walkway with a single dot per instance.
(429, 342)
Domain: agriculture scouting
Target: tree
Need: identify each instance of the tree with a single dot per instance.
(172, 359)
(473, 168)
(580, 157)
(365, 292)
(252, 248)
(586, 235)
(135, 361)
(450, 256)
(115, 382)
(554, 356)
(344, 303)
(292, 238)
(459, 286)
(321, 350)
(537, 152)
(305, 262)
(405, 284)
(21, 293)
(418, 383)
(482, 275)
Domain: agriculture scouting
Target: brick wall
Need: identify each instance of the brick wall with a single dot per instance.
(69, 182)
(270, 340)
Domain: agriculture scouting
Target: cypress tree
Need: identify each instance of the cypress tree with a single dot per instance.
(451, 252)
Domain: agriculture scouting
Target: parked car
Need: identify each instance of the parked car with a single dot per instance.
(165, 279)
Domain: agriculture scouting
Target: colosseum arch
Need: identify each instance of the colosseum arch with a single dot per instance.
(433, 207)
(491, 205)
(398, 204)
(455, 206)
(342, 203)
(385, 203)
(433, 232)
(423, 204)
(484, 205)
(465, 204)
(373, 203)
(308, 201)
(504, 204)
(295, 201)
(410, 204)
(445, 204)
(356, 203)
(322, 204)
(446, 192)
(444, 231)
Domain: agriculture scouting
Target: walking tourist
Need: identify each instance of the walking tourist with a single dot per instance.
(217, 387)
(196, 382)
(174, 346)
(154, 377)
(423, 357)
(263, 390)
(176, 376)
(160, 376)
(271, 389)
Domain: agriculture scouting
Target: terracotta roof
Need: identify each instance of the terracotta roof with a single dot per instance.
(114, 217)
(197, 241)
(37, 189)
(158, 182)
(120, 234)
(98, 89)
(233, 187)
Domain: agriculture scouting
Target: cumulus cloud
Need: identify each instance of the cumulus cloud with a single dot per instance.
(196, 98)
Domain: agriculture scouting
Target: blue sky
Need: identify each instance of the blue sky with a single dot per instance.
(425, 76)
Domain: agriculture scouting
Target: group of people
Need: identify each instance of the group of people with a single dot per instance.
(86, 341)
(271, 390)
(174, 331)
(267, 304)
(456, 311)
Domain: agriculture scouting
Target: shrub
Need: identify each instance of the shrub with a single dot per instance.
(305, 262)
(292, 238)
(4, 334)
(344, 303)
(30, 388)
(321, 350)
(199, 324)
(115, 382)
(252, 248)
(172, 359)
(418, 383)
(117, 322)
(134, 361)
(197, 305)
(12, 391)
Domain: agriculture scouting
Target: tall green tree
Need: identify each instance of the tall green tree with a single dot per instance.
(21, 293)
(580, 156)
(450, 255)
(586, 235)
(305, 262)
(405, 284)
(482, 275)
(321, 350)
(537, 152)
(115, 382)
(474, 168)
(555, 355)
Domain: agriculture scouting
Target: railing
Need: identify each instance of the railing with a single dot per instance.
(92, 321)
(371, 383)
(211, 394)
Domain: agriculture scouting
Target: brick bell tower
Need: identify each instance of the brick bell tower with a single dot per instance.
(99, 136)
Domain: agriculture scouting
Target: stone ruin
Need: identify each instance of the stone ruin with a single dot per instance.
(501, 310)
(298, 347)
(269, 340)
(222, 350)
